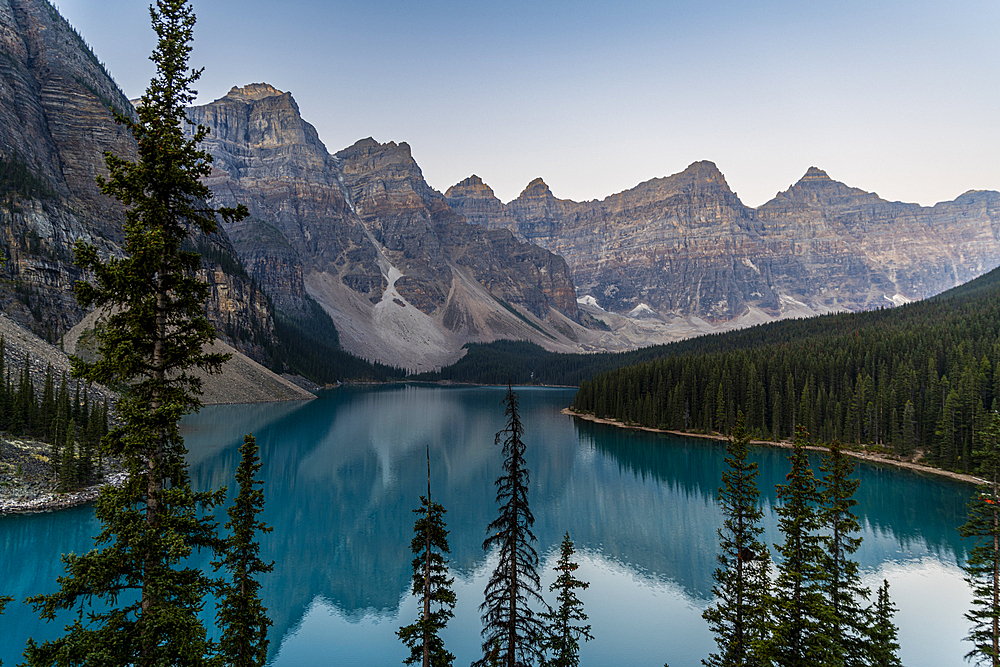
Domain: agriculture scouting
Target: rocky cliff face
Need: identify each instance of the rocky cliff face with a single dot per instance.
(56, 122)
(686, 246)
(406, 279)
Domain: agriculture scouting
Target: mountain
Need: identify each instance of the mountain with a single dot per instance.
(56, 122)
(686, 246)
(406, 280)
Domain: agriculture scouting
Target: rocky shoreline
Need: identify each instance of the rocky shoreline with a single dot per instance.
(868, 456)
(28, 485)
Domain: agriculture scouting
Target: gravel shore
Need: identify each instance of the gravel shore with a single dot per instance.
(28, 484)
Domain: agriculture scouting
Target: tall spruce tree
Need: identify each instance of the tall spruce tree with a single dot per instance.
(739, 617)
(241, 615)
(800, 611)
(982, 567)
(512, 633)
(431, 585)
(882, 644)
(143, 597)
(4, 600)
(562, 639)
(849, 623)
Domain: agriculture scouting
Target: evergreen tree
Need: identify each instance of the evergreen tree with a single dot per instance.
(4, 599)
(562, 641)
(144, 599)
(241, 616)
(739, 616)
(800, 612)
(848, 627)
(882, 644)
(431, 585)
(982, 567)
(511, 631)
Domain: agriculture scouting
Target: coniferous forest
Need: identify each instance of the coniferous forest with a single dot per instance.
(919, 378)
(61, 415)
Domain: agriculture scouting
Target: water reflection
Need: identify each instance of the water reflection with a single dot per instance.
(345, 471)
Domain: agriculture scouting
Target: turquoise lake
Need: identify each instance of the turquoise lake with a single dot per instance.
(344, 472)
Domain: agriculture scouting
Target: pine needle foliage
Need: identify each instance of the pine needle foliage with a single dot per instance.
(562, 641)
(143, 600)
(512, 633)
(431, 587)
(799, 610)
(883, 644)
(4, 600)
(982, 567)
(849, 622)
(240, 613)
(739, 617)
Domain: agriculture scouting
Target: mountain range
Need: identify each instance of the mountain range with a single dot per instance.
(355, 249)
(686, 246)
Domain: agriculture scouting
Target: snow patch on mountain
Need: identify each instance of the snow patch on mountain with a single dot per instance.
(643, 312)
(898, 299)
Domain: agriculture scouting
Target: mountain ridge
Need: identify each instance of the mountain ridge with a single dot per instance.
(686, 246)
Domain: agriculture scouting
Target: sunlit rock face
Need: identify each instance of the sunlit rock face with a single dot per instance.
(685, 244)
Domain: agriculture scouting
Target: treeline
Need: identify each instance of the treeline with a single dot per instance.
(522, 363)
(308, 345)
(311, 348)
(16, 177)
(70, 424)
(920, 377)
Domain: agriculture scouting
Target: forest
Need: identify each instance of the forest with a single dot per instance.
(70, 423)
(921, 378)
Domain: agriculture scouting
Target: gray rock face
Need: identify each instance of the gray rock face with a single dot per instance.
(56, 122)
(361, 229)
(686, 245)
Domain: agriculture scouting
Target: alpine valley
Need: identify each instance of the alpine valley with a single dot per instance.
(356, 249)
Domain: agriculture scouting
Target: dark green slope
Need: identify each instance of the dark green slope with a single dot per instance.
(922, 377)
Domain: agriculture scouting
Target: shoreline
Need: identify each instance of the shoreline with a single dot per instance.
(55, 501)
(862, 456)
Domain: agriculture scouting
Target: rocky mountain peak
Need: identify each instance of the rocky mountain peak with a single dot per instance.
(471, 188)
(536, 189)
(254, 91)
(704, 171)
(814, 174)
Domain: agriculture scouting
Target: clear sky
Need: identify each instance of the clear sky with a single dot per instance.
(898, 98)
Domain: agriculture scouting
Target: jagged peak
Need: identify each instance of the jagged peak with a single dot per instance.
(704, 169)
(814, 174)
(473, 186)
(536, 188)
(254, 91)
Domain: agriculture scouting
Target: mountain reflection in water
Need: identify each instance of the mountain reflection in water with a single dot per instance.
(344, 472)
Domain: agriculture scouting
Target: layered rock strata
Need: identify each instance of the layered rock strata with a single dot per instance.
(57, 105)
(406, 279)
(686, 246)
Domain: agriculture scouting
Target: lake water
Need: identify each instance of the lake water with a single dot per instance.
(344, 473)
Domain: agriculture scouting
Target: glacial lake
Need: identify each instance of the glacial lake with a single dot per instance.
(345, 471)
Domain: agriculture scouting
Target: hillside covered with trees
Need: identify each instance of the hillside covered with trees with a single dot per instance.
(922, 377)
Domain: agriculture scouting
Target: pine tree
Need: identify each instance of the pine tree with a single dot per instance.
(882, 644)
(739, 616)
(982, 567)
(144, 599)
(431, 585)
(241, 615)
(511, 631)
(562, 641)
(800, 612)
(4, 599)
(848, 627)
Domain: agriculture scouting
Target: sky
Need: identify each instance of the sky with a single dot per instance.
(897, 98)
